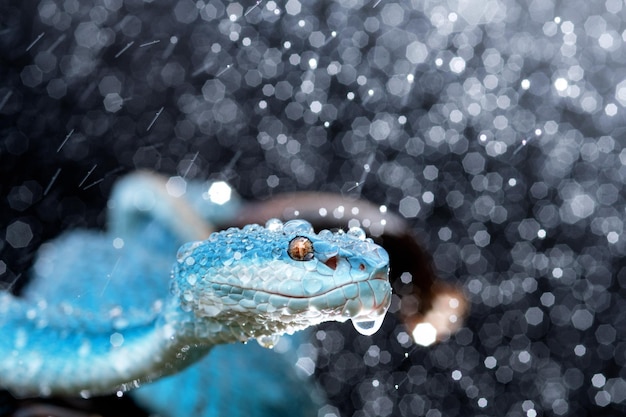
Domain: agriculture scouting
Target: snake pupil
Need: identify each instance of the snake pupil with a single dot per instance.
(300, 249)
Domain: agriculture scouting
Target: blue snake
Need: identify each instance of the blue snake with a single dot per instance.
(102, 315)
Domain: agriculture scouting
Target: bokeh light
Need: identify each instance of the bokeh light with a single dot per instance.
(496, 128)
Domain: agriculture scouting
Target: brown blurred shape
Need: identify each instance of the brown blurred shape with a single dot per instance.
(431, 309)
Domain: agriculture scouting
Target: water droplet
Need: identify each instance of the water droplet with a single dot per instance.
(312, 285)
(357, 232)
(192, 279)
(297, 226)
(268, 341)
(274, 225)
(325, 234)
(368, 327)
(186, 250)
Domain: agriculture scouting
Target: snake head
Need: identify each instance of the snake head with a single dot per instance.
(261, 281)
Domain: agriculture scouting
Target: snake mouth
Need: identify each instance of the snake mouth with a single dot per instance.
(304, 300)
(365, 303)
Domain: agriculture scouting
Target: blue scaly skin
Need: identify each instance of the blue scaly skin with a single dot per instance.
(98, 316)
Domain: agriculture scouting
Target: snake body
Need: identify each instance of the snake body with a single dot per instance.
(100, 316)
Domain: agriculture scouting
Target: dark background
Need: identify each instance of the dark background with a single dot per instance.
(496, 127)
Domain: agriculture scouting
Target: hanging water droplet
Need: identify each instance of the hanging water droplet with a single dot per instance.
(268, 341)
(368, 327)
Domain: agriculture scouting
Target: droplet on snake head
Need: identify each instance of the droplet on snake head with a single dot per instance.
(310, 266)
(325, 234)
(357, 232)
(368, 327)
(274, 225)
(297, 226)
(268, 341)
(312, 285)
(186, 250)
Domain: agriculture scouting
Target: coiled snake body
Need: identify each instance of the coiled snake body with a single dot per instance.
(100, 316)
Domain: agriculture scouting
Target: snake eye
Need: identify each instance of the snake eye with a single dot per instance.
(300, 249)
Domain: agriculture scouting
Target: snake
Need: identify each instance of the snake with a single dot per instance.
(99, 315)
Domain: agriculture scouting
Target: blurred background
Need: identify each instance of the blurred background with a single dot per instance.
(496, 127)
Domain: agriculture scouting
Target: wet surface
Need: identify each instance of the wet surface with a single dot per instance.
(496, 128)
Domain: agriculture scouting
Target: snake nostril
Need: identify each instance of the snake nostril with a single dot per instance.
(362, 267)
(331, 262)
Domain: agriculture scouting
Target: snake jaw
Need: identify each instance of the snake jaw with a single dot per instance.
(365, 302)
